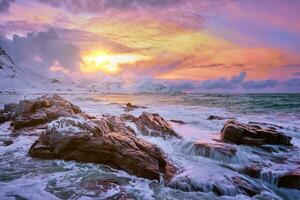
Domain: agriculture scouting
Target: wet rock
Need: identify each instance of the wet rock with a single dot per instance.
(177, 121)
(102, 188)
(239, 133)
(84, 140)
(8, 113)
(217, 151)
(253, 170)
(130, 107)
(215, 117)
(115, 124)
(290, 180)
(267, 125)
(229, 186)
(247, 187)
(43, 109)
(154, 125)
(128, 117)
(11, 108)
(6, 141)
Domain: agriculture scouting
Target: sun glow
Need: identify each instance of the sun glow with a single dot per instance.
(107, 63)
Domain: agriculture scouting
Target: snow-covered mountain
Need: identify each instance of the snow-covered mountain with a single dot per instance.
(16, 79)
(13, 78)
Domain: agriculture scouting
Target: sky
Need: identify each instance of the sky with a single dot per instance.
(191, 45)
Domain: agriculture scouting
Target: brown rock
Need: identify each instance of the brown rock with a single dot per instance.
(128, 117)
(218, 151)
(290, 180)
(84, 140)
(177, 121)
(153, 124)
(247, 134)
(253, 170)
(43, 109)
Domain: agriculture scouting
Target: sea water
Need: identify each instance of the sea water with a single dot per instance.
(22, 177)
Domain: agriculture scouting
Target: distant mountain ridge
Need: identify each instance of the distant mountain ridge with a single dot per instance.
(11, 76)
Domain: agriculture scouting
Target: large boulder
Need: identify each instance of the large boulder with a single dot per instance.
(43, 109)
(154, 125)
(240, 133)
(85, 140)
(290, 180)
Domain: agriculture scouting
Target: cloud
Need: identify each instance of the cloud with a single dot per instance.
(223, 83)
(4, 5)
(259, 84)
(296, 74)
(100, 5)
(41, 50)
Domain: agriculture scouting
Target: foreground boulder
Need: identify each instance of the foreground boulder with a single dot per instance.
(239, 133)
(97, 141)
(290, 180)
(41, 110)
(154, 125)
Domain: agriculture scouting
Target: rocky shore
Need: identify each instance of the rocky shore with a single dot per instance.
(67, 133)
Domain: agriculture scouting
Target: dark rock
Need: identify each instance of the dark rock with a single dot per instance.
(267, 125)
(253, 170)
(6, 141)
(246, 187)
(290, 180)
(177, 121)
(102, 141)
(10, 108)
(8, 113)
(154, 125)
(130, 107)
(214, 117)
(247, 134)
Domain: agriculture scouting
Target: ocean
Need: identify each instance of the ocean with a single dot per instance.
(22, 177)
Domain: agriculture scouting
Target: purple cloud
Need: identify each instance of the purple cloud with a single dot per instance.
(223, 83)
(40, 50)
(4, 5)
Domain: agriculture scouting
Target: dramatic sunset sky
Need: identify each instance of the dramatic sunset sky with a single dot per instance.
(193, 45)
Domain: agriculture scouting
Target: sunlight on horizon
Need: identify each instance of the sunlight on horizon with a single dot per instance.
(106, 62)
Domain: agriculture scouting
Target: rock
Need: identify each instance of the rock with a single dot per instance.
(290, 180)
(102, 188)
(267, 125)
(239, 133)
(11, 108)
(246, 186)
(229, 186)
(214, 117)
(8, 113)
(43, 109)
(217, 151)
(6, 141)
(177, 121)
(128, 117)
(130, 107)
(253, 170)
(85, 140)
(154, 125)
